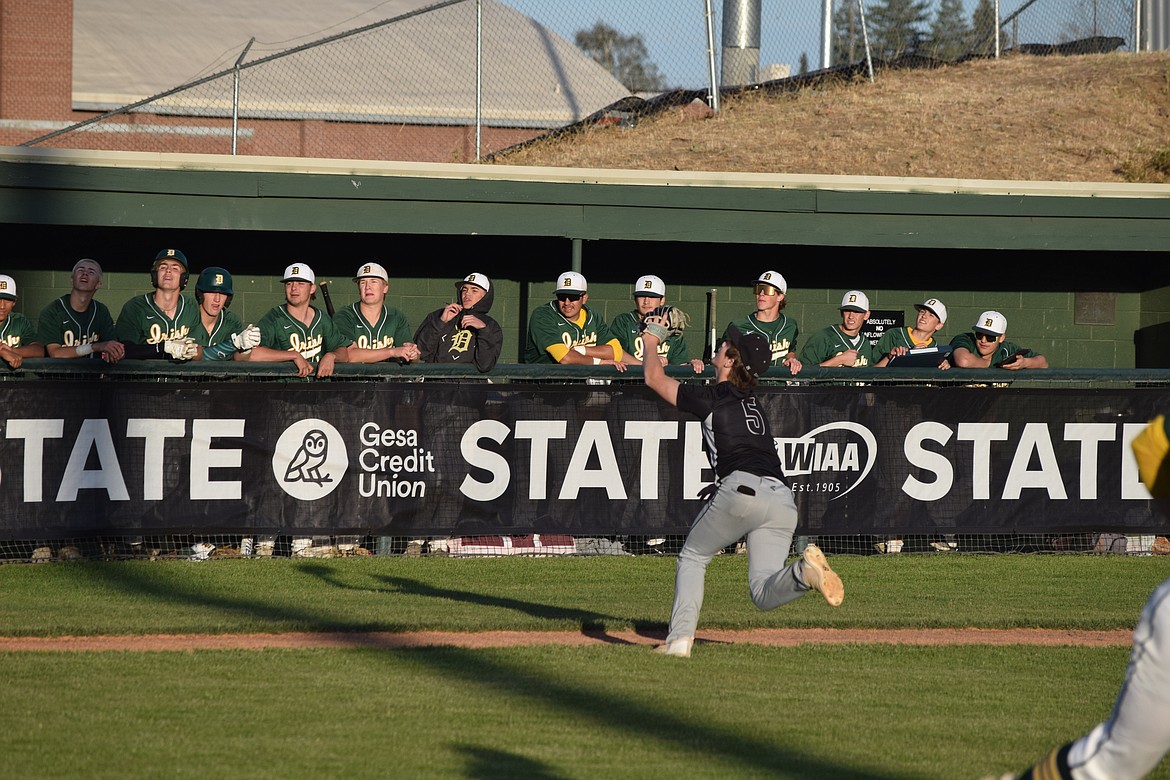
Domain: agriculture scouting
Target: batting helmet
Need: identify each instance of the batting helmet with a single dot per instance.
(170, 254)
(214, 279)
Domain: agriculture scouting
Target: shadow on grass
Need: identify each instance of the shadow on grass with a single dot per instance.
(484, 762)
(545, 686)
(635, 719)
(589, 621)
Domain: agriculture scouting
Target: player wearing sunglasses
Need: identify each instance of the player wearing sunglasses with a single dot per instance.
(985, 346)
(566, 331)
(768, 320)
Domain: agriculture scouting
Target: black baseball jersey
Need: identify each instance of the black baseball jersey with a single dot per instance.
(781, 334)
(736, 433)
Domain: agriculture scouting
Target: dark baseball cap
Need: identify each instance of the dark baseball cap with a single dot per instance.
(754, 350)
(171, 254)
(214, 279)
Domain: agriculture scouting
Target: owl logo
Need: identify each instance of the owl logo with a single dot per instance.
(310, 459)
(306, 464)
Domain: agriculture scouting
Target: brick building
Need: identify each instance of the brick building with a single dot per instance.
(341, 81)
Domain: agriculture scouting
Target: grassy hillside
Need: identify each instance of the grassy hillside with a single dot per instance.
(1099, 118)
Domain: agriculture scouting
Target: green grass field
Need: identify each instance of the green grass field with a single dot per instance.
(732, 710)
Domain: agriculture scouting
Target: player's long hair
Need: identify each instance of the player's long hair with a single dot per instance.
(740, 377)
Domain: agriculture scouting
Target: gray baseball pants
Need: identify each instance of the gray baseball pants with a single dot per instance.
(763, 510)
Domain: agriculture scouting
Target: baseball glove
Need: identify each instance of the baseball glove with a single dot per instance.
(664, 322)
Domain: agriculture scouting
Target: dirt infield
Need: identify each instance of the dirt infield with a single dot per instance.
(774, 637)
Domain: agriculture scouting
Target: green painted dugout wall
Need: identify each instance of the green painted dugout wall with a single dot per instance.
(1080, 270)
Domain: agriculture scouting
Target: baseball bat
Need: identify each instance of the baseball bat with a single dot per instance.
(712, 348)
(324, 287)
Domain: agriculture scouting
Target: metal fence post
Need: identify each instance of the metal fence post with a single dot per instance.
(478, 76)
(236, 93)
(711, 77)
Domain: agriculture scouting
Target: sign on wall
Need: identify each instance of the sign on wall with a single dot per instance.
(441, 458)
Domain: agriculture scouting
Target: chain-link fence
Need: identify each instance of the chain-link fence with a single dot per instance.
(457, 80)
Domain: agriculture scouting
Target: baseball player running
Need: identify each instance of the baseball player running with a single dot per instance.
(1136, 736)
(750, 495)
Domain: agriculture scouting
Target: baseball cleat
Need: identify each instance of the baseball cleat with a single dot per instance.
(818, 576)
(679, 647)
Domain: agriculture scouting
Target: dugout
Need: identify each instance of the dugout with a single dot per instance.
(1078, 268)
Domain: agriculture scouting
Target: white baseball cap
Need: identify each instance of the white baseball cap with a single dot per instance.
(7, 287)
(991, 322)
(773, 278)
(371, 270)
(650, 286)
(299, 272)
(855, 300)
(935, 307)
(478, 279)
(571, 281)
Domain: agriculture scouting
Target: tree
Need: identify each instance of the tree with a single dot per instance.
(803, 68)
(848, 43)
(624, 56)
(983, 29)
(896, 27)
(949, 34)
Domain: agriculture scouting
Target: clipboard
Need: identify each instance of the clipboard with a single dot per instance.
(924, 357)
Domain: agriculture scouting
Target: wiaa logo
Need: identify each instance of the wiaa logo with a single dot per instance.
(310, 459)
(842, 453)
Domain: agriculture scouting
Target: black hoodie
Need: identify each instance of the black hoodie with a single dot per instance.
(449, 342)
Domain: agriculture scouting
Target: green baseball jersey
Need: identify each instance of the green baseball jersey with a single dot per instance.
(17, 330)
(625, 329)
(218, 336)
(548, 327)
(1002, 351)
(141, 321)
(781, 334)
(391, 329)
(899, 337)
(832, 341)
(60, 324)
(226, 325)
(280, 330)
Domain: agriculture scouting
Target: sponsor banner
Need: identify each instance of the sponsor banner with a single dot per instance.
(440, 458)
